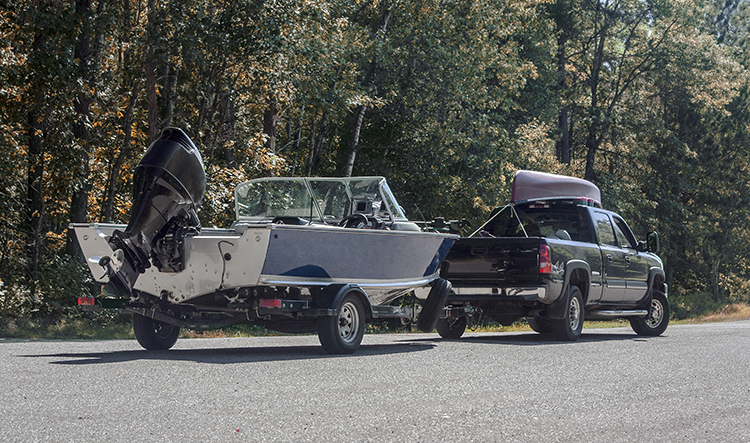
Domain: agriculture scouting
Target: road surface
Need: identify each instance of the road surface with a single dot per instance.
(691, 384)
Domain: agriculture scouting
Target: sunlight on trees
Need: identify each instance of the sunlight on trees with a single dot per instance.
(650, 100)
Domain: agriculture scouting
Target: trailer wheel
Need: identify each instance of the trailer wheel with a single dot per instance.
(451, 327)
(342, 333)
(433, 305)
(658, 317)
(569, 328)
(154, 335)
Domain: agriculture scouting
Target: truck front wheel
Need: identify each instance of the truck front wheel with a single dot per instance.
(569, 328)
(658, 317)
(153, 334)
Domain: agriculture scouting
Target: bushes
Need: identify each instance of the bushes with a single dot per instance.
(62, 280)
(692, 304)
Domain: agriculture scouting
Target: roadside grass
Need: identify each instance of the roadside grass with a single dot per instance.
(64, 329)
(78, 328)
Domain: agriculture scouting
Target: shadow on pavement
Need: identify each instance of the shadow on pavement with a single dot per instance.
(535, 339)
(228, 355)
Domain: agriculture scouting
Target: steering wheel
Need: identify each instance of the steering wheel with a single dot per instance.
(355, 220)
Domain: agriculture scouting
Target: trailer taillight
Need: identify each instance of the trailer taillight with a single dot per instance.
(545, 262)
(270, 303)
(86, 301)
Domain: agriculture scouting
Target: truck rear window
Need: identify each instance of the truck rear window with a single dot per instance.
(559, 220)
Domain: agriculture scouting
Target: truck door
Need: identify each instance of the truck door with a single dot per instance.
(614, 258)
(636, 279)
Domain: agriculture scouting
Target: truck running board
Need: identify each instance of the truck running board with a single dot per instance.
(616, 313)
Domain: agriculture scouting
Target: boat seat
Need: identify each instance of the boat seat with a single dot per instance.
(404, 226)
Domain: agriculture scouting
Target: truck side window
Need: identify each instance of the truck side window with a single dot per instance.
(580, 230)
(624, 234)
(604, 229)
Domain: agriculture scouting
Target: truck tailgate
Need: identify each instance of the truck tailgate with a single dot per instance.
(490, 261)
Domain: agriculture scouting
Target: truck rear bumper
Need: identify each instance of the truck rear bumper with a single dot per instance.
(525, 293)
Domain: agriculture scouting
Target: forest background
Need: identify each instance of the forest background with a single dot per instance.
(649, 99)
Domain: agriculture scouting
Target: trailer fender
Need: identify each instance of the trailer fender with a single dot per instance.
(330, 297)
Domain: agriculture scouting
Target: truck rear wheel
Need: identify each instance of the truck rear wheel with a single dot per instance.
(433, 305)
(153, 334)
(451, 327)
(539, 325)
(658, 317)
(343, 333)
(569, 328)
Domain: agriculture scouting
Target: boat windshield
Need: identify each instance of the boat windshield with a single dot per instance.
(316, 199)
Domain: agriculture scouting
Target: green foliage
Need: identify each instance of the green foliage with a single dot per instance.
(454, 97)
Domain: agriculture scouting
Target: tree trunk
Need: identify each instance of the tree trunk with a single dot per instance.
(317, 147)
(34, 208)
(227, 134)
(591, 149)
(357, 130)
(354, 143)
(149, 67)
(563, 145)
(270, 122)
(168, 88)
(592, 139)
(127, 127)
(81, 186)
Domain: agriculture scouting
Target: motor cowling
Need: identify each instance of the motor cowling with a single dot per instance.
(169, 183)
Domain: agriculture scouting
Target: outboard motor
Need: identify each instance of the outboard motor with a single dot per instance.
(169, 183)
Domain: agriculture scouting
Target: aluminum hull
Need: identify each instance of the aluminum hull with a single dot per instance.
(385, 264)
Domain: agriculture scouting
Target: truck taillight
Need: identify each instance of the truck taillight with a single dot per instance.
(545, 262)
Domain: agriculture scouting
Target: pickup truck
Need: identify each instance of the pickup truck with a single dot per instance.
(555, 257)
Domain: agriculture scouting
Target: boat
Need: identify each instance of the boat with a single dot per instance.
(304, 254)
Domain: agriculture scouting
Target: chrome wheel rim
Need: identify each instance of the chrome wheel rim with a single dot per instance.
(657, 314)
(348, 322)
(575, 314)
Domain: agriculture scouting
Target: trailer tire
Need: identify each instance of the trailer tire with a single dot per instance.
(153, 334)
(570, 326)
(343, 333)
(433, 305)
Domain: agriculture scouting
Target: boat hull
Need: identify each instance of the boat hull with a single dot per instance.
(385, 264)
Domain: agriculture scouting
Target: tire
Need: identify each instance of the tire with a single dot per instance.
(154, 335)
(343, 333)
(658, 317)
(451, 328)
(569, 328)
(433, 305)
(539, 325)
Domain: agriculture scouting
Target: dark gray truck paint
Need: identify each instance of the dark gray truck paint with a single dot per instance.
(590, 250)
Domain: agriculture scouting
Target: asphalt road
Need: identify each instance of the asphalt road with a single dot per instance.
(692, 384)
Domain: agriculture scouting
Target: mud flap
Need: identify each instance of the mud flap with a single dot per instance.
(433, 305)
(558, 309)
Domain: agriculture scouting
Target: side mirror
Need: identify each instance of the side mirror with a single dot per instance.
(652, 242)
